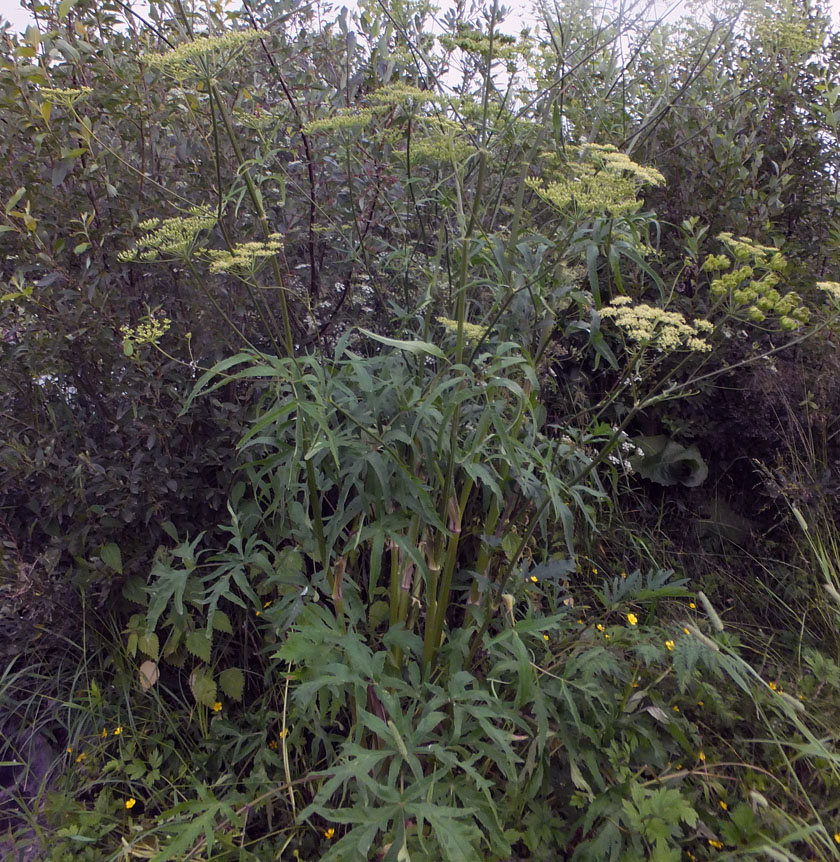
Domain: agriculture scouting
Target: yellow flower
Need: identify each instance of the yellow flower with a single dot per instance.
(117, 731)
(599, 627)
(130, 803)
(273, 745)
(669, 645)
(686, 631)
(675, 708)
(329, 833)
(69, 750)
(692, 605)
(632, 619)
(624, 574)
(837, 837)
(545, 637)
(284, 733)
(594, 571)
(700, 703)
(81, 757)
(580, 622)
(716, 844)
(606, 637)
(104, 732)
(534, 579)
(772, 685)
(723, 805)
(701, 756)
(217, 706)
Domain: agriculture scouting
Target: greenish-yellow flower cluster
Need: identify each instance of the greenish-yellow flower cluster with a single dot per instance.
(182, 60)
(654, 327)
(600, 179)
(149, 331)
(67, 96)
(472, 331)
(246, 257)
(441, 140)
(345, 119)
(752, 284)
(172, 238)
(402, 94)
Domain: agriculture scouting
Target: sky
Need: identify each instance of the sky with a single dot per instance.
(20, 18)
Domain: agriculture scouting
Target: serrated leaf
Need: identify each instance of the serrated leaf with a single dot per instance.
(232, 683)
(203, 687)
(221, 623)
(198, 645)
(149, 675)
(148, 643)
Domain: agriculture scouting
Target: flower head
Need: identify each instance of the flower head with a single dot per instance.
(217, 706)
(669, 645)
(130, 803)
(329, 834)
(632, 619)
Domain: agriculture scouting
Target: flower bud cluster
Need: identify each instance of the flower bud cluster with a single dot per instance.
(751, 286)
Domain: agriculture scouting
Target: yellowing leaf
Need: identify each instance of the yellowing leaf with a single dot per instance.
(203, 687)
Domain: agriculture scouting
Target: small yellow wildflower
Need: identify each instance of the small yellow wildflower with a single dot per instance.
(632, 619)
(217, 706)
(716, 844)
(837, 837)
(692, 605)
(104, 732)
(130, 803)
(594, 571)
(117, 731)
(700, 703)
(723, 805)
(606, 637)
(534, 579)
(599, 627)
(624, 574)
(69, 750)
(81, 757)
(329, 834)
(580, 622)
(701, 756)
(686, 631)
(545, 637)
(273, 745)
(669, 645)
(772, 686)
(675, 708)
(284, 733)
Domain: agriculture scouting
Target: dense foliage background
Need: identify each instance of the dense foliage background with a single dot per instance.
(418, 441)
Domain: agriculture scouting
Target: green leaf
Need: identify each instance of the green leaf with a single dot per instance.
(198, 645)
(111, 556)
(417, 348)
(148, 643)
(232, 683)
(221, 623)
(12, 202)
(64, 7)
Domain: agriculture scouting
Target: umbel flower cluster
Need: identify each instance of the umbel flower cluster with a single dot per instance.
(473, 333)
(599, 179)
(67, 96)
(752, 283)
(148, 331)
(246, 257)
(172, 238)
(650, 326)
(217, 51)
